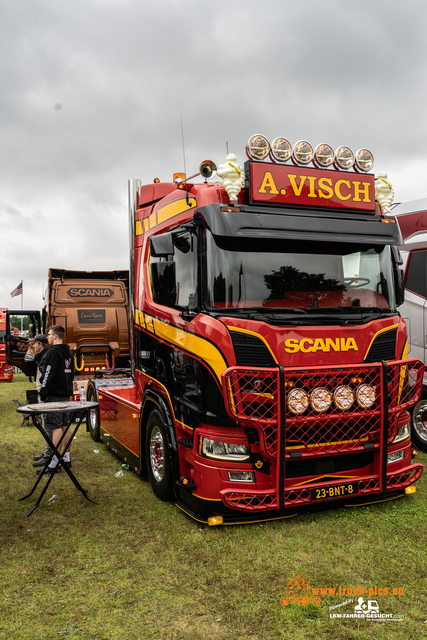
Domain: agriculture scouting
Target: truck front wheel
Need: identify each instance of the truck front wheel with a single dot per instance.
(93, 422)
(157, 457)
(419, 423)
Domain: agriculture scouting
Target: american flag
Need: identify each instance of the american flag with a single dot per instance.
(17, 291)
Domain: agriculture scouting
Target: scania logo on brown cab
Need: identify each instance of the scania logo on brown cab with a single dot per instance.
(308, 345)
(90, 292)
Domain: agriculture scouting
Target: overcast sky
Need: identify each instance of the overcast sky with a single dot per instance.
(92, 93)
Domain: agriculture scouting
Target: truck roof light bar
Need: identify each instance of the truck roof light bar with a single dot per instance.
(280, 151)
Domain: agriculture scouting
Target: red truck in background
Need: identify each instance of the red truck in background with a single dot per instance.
(6, 371)
(269, 358)
(93, 307)
(412, 220)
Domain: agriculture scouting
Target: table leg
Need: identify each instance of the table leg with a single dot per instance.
(60, 460)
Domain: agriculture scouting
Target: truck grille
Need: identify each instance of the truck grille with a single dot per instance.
(313, 466)
(251, 351)
(255, 395)
(383, 347)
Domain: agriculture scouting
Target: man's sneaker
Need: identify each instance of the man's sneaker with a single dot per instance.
(66, 463)
(49, 470)
(41, 461)
(38, 457)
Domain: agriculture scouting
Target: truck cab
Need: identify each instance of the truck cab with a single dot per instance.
(412, 220)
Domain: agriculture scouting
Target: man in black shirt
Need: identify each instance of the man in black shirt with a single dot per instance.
(57, 386)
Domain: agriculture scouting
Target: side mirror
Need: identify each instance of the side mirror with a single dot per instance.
(399, 283)
(399, 277)
(163, 282)
(161, 245)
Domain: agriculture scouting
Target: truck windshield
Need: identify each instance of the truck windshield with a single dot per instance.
(286, 274)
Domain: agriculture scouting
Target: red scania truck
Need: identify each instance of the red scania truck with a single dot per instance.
(269, 360)
(6, 371)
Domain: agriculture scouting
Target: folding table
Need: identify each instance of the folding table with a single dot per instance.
(77, 411)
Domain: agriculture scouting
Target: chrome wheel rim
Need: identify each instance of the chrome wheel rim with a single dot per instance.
(157, 454)
(419, 420)
(92, 419)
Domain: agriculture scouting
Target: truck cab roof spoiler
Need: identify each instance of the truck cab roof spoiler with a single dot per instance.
(295, 224)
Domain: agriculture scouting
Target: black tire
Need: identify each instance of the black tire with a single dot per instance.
(419, 422)
(157, 457)
(93, 422)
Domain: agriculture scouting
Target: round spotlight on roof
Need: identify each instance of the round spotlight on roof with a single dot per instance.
(258, 147)
(344, 158)
(281, 150)
(364, 160)
(303, 152)
(323, 156)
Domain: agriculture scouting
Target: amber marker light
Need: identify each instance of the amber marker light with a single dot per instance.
(258, 147)
(411, 489)
(215, 520)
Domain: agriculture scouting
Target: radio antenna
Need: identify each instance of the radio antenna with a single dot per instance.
(226, 146)
(183, 146)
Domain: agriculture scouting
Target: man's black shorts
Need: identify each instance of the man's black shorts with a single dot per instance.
(57, 420)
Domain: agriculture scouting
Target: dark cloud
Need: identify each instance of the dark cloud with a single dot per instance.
(93, 92)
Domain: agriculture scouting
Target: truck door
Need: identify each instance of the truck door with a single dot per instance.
(414, 309)
(21, 326)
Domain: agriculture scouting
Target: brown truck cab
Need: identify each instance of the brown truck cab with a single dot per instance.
(93, 307)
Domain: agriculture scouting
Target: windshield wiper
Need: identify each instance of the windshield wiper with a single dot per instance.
(280, 310)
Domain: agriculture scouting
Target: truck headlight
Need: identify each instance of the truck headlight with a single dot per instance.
(320, 399)
(365, 396)
(402, 432)
(343, 397)
(224, 450)
(297, 401)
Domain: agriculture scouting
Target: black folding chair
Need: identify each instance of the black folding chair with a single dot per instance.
(36, 420)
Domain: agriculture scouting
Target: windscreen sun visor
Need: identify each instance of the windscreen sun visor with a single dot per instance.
(294, 224)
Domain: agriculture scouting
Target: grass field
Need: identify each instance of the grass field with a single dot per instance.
(133, 567)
